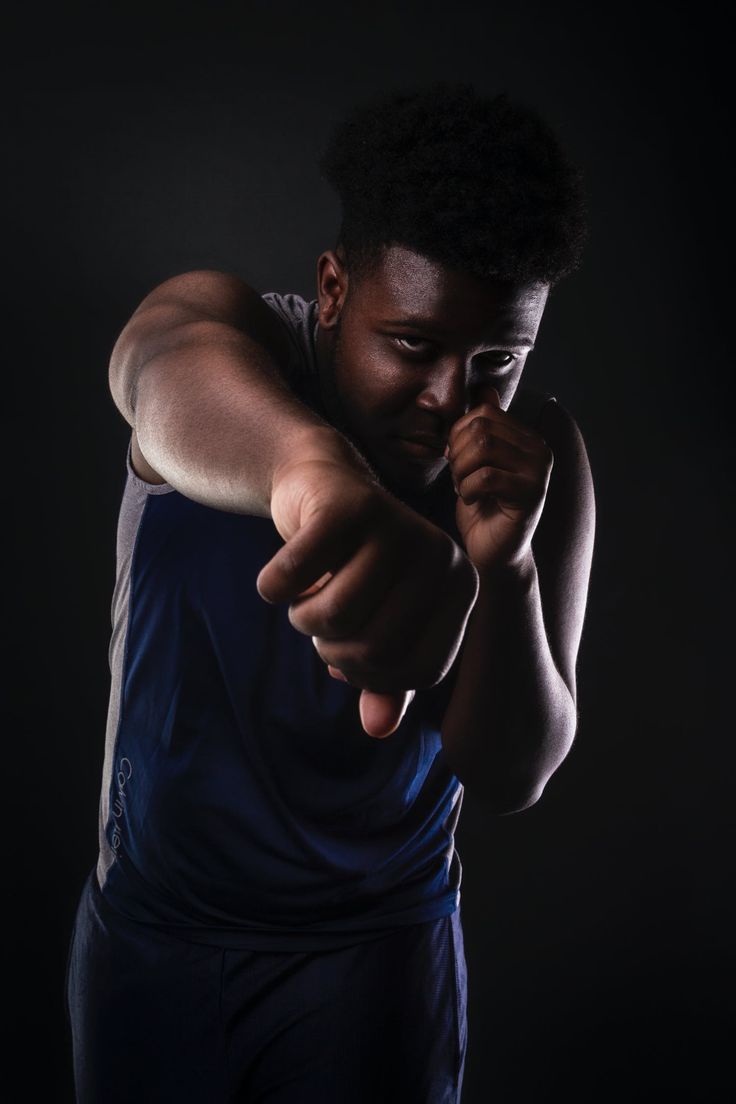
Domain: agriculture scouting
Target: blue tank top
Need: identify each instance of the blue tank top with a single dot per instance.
(242, 804)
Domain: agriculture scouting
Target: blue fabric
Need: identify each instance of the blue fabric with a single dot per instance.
(157, 1018)
(242, 803)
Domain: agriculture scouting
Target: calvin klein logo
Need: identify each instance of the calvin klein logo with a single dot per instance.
(125, 769)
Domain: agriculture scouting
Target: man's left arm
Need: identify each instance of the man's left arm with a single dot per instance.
(526, 511)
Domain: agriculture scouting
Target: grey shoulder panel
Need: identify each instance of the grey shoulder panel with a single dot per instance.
(299, 317)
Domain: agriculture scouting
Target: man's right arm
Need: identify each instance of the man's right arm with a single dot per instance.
(197, 373)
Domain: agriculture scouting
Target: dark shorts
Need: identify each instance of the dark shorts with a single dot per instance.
(157, 1019)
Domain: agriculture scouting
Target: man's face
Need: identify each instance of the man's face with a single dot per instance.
(404, 353)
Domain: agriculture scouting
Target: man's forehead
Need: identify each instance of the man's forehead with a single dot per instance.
(416, 290)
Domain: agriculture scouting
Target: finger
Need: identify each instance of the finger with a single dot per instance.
(403, 636)
(514, 490)
(486, 450)
(480, 425)
(378, 661)
(381, 714)
(487, 393)
(343, 607)
(496, 415)
(504, 424)
(320, 546)
(368, 663)
(316, 587)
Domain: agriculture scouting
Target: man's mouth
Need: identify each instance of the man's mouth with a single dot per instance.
(423, 448)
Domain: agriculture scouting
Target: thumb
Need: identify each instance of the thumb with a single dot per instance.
(487, 393)
(381, 714)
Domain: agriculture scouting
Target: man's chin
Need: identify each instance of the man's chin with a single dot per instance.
(412, 486)
(406, 480)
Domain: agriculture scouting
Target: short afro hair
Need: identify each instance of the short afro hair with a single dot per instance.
(478, 184)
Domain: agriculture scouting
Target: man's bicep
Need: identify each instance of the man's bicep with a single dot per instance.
(202, 305)
(563, 541)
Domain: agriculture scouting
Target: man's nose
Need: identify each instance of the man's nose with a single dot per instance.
(447, 390)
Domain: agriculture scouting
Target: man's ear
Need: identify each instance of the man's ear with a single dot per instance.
(332, 284)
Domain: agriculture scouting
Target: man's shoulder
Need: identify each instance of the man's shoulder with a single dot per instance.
(544, 412)
(529, 403)
(560, 429)
(570, 501)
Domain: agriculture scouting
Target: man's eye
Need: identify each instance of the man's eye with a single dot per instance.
(411, 348)
(498, 360)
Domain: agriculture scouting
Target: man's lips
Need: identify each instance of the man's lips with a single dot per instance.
(422, 444)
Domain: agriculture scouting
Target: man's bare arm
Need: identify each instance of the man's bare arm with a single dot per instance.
(197, 373)
(512, 716)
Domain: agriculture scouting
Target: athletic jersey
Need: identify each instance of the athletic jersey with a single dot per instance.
(242, 804)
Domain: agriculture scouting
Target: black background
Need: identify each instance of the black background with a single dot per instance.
(147, 141)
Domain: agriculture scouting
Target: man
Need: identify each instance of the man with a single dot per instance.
(353, 558)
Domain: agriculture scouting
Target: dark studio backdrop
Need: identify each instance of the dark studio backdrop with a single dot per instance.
(146, 142)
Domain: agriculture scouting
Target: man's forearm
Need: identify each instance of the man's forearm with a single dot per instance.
(511, 718)
(215, 418)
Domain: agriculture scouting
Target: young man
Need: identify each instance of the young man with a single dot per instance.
(353, 557)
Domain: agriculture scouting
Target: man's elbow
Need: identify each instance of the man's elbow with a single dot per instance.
(507, 804)
(518, 805)
(515, 798)
(513, 791)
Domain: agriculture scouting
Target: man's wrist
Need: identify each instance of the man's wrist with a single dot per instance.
(318, 442)
(521, 572)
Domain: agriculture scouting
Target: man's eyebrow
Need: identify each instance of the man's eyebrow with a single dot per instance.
(430, 326)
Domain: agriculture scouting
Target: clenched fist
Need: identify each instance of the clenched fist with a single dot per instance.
(384, 593)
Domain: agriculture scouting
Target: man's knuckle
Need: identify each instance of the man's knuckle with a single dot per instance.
(297, 619)
(333, 617)
(364, 657)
